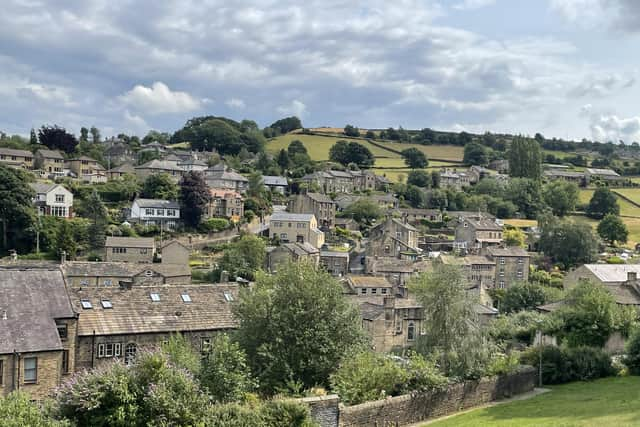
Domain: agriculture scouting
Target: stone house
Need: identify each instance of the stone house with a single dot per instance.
(347, 224)
(335, 263)
(373, 286)
(609, 275)
(51, 162)
(606, 175)
(108, 275)
(130, 249)
(225, 204)
(155, 167)
(37, 331)
(456, 179)
(121, 171)
(397, 271)
(277, 184)
(115, 323)
(335, 181)
(164, 213)
(53, 200)
(501, 166)
(220, 176)
(118, 152)
(174, 252)
(393, 238)
(294, 252)
(192, 164)
(321, 206)
(475, 234)
(20, 159)
(570, 176)
(292, 227)
(384, 201)
(87, 169)
(413, 215)
(512, 265)
(480, 272)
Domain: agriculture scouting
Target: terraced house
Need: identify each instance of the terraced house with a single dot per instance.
(21, 159)
(300, 228)
(130, 249)
(88, 169)
(49, 162)
(321, 206)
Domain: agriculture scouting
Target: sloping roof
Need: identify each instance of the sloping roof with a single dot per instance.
(124, 168)
(286, 216)
(220, 171)
(610, 273)
(52, 154)
(192, 161)
(87, 158)
(130, 242)
(223, 193)
(485, 310)
(157, 203)
(624, 294)
(484, 224)
(602, 172)
(340, 174)
(122, 269)
(160, 164)
(563, 173)
(14, 152)
(370, 311)
(369, 281)
(551, 307)
(134, 311)
(31, 299)
(334, 254)
(506, 252)
(301, 248)
(42, 187)
(174, 242)
(278, 181)
(404, 224)
(321, 198)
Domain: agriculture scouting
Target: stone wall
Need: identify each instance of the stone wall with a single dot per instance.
(324, 409)
(408, 409)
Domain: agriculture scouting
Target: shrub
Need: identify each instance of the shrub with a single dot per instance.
(632, 358)
(562, 364)
(276, 413)
(17, 410)
(214, 225)
(615, 260)
(233, 415)
(503, 364)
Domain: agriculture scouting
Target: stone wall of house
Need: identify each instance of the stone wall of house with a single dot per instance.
(48, 375)
(409, 409)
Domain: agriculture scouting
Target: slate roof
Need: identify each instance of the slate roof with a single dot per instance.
(602, 172)
(485, 310)
(157, 203)
(506, 252)
(14, 152)
(301, 249)
(370, 311)
(50, 154)
(369, 281)
(32, 299)
(287, 216)
(321, 198)
(334, 254)
(122, 269)
(484, 224)
(609, 273)
(124, 168)
(277, 181)
(134, 312)
(42, 187)
(130, 242)
(160, 165)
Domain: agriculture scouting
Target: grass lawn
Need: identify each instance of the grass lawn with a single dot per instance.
(629, 193)
(453, 153)
(318, 146)
(600, 403)
(517, 222)
(626, 208)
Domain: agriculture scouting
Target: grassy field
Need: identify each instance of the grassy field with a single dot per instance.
(626, 208)
(516, 222)
(600, 403)
(444, 152)
(630, 193)
(318, 146)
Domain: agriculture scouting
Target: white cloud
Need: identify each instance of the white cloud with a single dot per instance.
(294, 108)
(160, 99)
(473, 4)
(613, 128)
(135, 124)
(235, 103)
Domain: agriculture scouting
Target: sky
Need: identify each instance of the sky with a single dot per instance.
(564, 68)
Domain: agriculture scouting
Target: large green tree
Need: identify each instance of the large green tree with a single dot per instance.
(476, 154)
(567, 242)
(414, 158)
(525, 158)
(526, 194)
(65, 240)
(57, 138)
(160, 186)
(16, 209)
(226, 136)
(561, 197)
(364, 210)
(244, 257)
(602, 202)
(97, 214)
(296, 326)
(194, 197)
(522, 296)
(344, 152)
(612, 229)
(18, 410)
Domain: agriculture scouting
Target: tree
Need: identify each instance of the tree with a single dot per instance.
(286, 125)
(296, 327)
(16, 210)
(95, 135)
(344, 152)
(33, 138)
(296, 147)
(255, 186)
(476, 154)
(514, 237)
(160, 186)
(351, 131)
(194, 197)
(525, 159)
(244, 257)
(561, 197)
(414, 158)
(523, 296)
(283, 160)
(526, 194)
(602, 202)
(632, 356)
(364, 210)
(450, 319)
(226, 136)
(225, 373)
(57, 138)
(18, 410)
(567, 242)
(155, 136)
(612, 229)
(65, 240)
(97, 213)
(419, 178)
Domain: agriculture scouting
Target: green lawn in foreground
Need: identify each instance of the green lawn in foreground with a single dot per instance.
(607, 402)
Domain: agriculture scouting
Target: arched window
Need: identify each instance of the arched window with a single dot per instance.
(411, 331)
(129, 353)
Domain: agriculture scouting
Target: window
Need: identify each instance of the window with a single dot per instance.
(148, 211)
(171, 212)
(65, 361)
(520, 260)
(154, 297)
(363, 291)
(160, 212)
(148, 273)
(86, 304)
(205, 344)
(62, 331)
(520, 273)
(302, 225)
(107, 282)
(109, 349)
(383, 291)
(289, 225)
(59, 198)
(119, 250)
(129, 353)
(411, 331)
(84, 282)
(106, 303)
(501, 285)
(59, 211)
(374, 291)
(228, 296)
(502, 261)
(143, 251)
(283, 236)
(30, 370)
(185, 298)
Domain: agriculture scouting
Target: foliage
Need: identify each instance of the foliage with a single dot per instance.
(520, 326)
(566, 242)
(523, 296)
(97, 214)
(160, 186)
(526, 194)
(503, 364)
(563, 364)
(225, 373)
(344, 152)
(286, 125)
(182, 354)
(244, 257)
(602, 202)
(350, 130)
(450, 319)
(16, 210)
(65, 241)
(476, 154)
(296, 326)
(525, 159)
(276, 413)
(223, 135)
(194, 197)
(561, 197)
(632, 356)
(364, 210)
(296, 147)
(57, 138)
(612, 229)
(420, 178)
(215, 224)
(17, 410)
(414, 158)
(514, 237)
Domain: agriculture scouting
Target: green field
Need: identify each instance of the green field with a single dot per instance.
(443, 152)
(601, 403)
(626, 208)
(318, 146)
(632, 194)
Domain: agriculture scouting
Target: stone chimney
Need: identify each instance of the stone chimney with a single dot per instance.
(632, 276)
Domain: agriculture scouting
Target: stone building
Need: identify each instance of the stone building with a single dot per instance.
(335, 181)
(37, 331)
(50, 162)
(475, 234)
(88, 169)
(174, 252)
(321, 206)
(220, 176)
(277, 184)
(226, 204)
(130, 249)
(121, 171)
(393, 238)
(480, 272)
(335, 262)
(115, 322)
(291, 252)
(155, 167)
(413, 215)
(512, 265)
(292, 227)
(20, 159)
(107, 275)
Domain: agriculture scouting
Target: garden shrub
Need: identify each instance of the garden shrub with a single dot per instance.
(632, 358)
(563, 364)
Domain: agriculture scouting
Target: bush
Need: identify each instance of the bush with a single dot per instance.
(632, 358)
(615, 260)
(520, 326)
(503, 364)
(214, 225)
(276, 413)
(561, 364)
(273, 413)
(233, 415)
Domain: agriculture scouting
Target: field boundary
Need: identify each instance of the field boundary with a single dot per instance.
(622, 196)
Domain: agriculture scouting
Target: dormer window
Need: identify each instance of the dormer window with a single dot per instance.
(148, 273)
